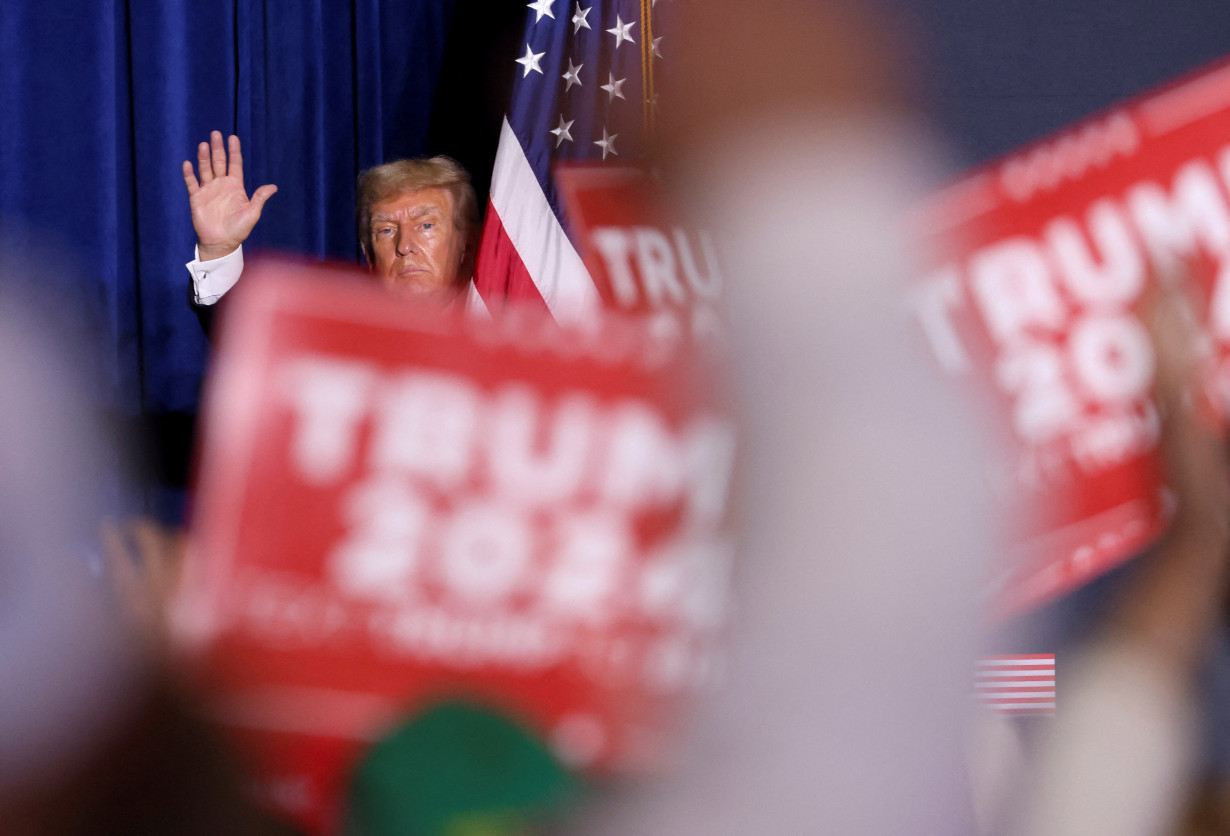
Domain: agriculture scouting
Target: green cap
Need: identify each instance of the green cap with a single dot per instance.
(457, 769)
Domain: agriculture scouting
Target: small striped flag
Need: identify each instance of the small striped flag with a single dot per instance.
(1017, 684)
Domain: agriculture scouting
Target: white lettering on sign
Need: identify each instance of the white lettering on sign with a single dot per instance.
(1193, 212)
(1034, 373)
(670, 268)
(613, 245)
(473, 499)
(934, 302)
(589, 565)
(1012, 285)
(706, 281)
(329, 398)
(656, 261)
(427, 427)
(539, 474)
(1057, 307)
(439, 635)
(443, 431)
(648, 464)
(388, 521)
(485, 549)
(1112, 357)
(1116, 277)
(689, 578)
(1067, 158)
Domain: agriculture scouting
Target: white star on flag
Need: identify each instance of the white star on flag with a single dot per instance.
(622, 32)
(579, 21)
(563, 133)
(607, 144)
(542, 7)
(530, 61)
(572, 76)
(614, 87)
(573, 117)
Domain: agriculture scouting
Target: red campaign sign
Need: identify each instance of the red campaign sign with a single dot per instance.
(641, 260)
(1047, 255)
(398, 505)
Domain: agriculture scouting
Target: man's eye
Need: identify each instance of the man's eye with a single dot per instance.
(384, 230)
(427, 225)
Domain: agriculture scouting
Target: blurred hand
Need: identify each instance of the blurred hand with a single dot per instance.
(1193, 445)
(222, 214)
(144, 560)
(1171, 609)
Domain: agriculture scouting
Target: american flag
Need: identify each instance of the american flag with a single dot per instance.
(1020, 684)
(583, 90)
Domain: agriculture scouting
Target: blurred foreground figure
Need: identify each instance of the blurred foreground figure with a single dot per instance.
(855, 619)
(1122, 753)
(67, 671)
(91, 739)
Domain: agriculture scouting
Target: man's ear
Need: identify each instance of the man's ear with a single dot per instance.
(367, 257)
(468, 256)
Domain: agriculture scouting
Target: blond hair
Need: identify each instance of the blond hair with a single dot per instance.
(391, 179)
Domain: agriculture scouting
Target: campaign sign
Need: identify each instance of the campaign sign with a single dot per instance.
(641, 260)
(400, 505)
(1046, 258)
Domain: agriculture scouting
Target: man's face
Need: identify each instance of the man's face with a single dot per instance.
(417, 248)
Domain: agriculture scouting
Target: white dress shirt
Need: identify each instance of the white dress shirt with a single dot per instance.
(211, 279)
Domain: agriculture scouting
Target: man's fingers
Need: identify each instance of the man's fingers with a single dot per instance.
(262, 194)
(159, 557)
(236, 162)
(126, 576)
(1194, 451)
(190, 179)
(218, 153)
(116, 554)
(202, 163)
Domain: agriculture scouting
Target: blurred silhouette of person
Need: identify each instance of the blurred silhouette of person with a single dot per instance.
(94, 738)
(856, 616)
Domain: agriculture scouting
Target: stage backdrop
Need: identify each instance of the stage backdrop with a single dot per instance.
(100, 101)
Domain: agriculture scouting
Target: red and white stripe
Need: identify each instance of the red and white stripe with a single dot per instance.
(1017, 684)
(524, 254)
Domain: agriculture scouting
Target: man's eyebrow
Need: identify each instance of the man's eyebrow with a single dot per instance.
(417, 213)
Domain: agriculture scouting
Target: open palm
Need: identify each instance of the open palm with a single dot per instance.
(222, 214)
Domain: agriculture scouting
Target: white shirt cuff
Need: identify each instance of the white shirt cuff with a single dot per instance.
(212, 279)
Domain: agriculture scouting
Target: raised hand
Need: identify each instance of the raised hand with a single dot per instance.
(222, 214)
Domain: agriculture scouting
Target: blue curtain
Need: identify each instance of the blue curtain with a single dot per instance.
(101, 100)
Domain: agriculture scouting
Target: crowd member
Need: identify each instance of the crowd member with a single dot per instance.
(417, 223)
(856, 613)
(93, 737)
(849, 683)
(1124, 751)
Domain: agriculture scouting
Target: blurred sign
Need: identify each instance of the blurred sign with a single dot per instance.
(641, 261)
(1046, 257)
(399, 505)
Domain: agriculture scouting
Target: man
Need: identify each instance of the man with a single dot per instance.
(417, 222)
